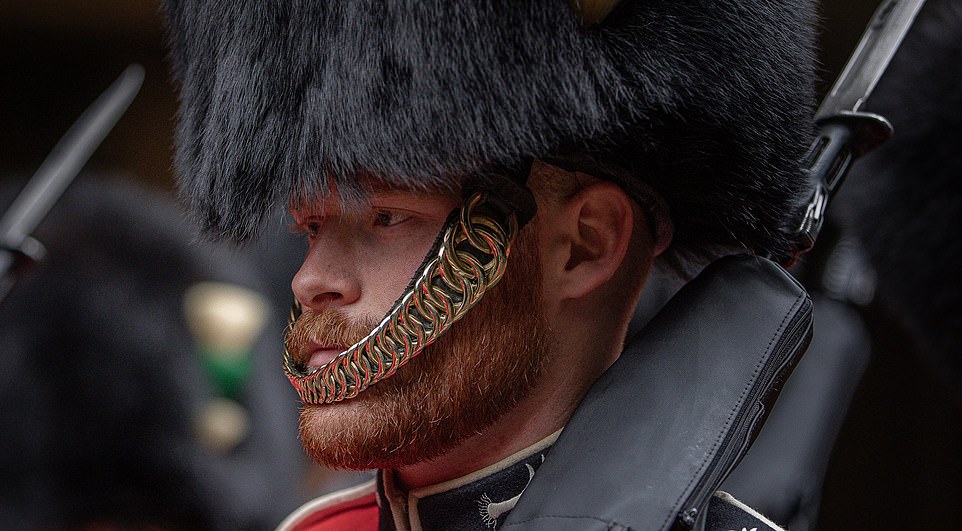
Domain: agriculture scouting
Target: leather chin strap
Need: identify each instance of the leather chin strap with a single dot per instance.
(506, 192)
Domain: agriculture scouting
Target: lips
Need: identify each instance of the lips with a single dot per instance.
(321, 355)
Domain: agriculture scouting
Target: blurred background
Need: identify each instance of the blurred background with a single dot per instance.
(897, 463)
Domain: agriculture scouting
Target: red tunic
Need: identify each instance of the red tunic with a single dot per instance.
(351, 509)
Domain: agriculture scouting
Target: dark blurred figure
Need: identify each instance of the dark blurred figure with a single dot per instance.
(903, 203)
(123, 404)
(885, 281)
(899, 228)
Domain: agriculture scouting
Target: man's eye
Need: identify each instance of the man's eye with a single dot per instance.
(387, 218)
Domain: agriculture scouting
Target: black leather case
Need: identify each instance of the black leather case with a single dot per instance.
(662, 428)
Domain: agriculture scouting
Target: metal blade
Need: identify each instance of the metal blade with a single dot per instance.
(879, 43)
(68, 157)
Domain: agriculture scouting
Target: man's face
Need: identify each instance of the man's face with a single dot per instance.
(358, 263)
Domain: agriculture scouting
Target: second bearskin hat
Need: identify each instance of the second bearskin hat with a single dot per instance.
(707, 101)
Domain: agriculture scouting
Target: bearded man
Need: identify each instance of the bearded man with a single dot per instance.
(484, 188)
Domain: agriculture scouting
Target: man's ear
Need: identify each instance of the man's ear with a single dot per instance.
(597, 227)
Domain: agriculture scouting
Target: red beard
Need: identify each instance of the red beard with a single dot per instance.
(472, 375)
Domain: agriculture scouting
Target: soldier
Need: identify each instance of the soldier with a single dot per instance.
(484, 188)
(151, 419)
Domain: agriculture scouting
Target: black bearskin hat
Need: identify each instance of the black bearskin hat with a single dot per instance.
(707, 101)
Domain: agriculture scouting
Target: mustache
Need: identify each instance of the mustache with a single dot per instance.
(329, 328)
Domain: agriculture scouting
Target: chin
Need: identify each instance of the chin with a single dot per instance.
(374, 431)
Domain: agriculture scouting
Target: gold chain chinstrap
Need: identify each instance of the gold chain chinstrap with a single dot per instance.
(470, 260)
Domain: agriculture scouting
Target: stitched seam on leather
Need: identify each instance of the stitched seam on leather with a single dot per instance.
(741, 398)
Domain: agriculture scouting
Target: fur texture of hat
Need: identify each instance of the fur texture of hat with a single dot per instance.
(708, 101)
(904, 201)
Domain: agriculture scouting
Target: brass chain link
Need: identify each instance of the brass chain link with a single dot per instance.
(471, 259)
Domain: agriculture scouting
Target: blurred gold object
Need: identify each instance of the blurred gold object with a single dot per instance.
(221, 425)
(224, 317)
(225, 320)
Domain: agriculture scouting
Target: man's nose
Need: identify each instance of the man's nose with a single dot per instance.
(324, 282)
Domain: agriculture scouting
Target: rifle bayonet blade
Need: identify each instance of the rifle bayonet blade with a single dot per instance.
(888, 26)
(68, 157)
